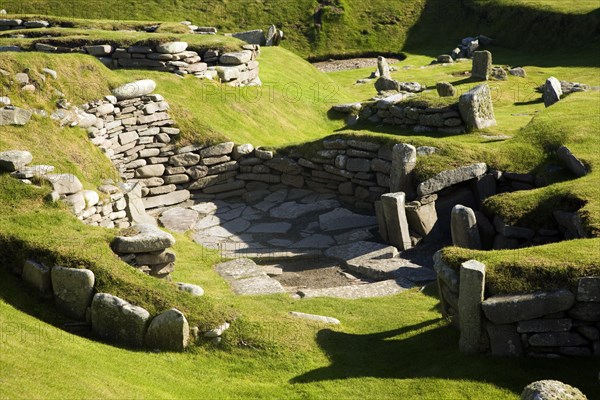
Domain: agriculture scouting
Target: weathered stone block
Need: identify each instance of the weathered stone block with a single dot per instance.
(37, 275)
(507, 309)
(472, 288)
(504, 340)
(476, 108)
(168, 331)
(482, 65)
(396, 222)
(116, 320)
(73, 290)
(463, 225)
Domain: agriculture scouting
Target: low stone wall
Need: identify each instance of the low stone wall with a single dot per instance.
(109, 317)
(419, 118)
(14, 23)
(239, 68)
(474, 110)
(541, 324)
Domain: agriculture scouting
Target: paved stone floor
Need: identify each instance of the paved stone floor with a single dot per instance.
(303, 242)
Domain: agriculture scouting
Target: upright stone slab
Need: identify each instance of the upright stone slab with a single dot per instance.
(422, 218)
(463, 225)
(168, 331)
(395, 216)
(116, 320)
(472, 287)
(573, 163)
(552, 91)
(381, 223)
(482, 65)
(383, 68)
(476, 108)
(404, 159)
(136, 211)
(37, 276)
(73, 290)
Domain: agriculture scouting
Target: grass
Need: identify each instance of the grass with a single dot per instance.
(349, 26)
(28, 229)
(392, 347)
(403, 352)
(78, 37)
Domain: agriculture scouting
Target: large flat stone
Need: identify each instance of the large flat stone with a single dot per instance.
(316, 318)
(14, 160)
(342, 218)
(168, 199)
(507, 309)
(179, 219)
(472, 288)
(37, 276)
(14, 116)
(270, 227)
(293, 210)
(134, 89)
(361, 249)
(64, 183)
(378, 289)
(451, 177)
(143, 238)
(260, 285)
(390, 269)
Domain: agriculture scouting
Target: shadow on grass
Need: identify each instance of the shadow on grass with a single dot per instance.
(415, 351)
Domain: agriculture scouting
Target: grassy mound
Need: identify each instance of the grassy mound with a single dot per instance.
(319, 28)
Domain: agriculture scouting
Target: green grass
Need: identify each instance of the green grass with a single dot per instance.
(28, 229)
(392, 347)
(566, 7)
(78, 37)
(404, 351)
(354, 26)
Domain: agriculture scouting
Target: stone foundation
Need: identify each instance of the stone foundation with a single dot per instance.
(540, 324)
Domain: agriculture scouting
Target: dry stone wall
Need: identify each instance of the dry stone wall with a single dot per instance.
(542, 324)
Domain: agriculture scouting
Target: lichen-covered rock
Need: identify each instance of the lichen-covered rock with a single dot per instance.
(552, 91)
(168, 331)
(476, 108)
(551, 390)
(142, 238)
(14, 160)
(134, 89)
(73, 290)
(116, 320)
(14, 116)
(64, 183)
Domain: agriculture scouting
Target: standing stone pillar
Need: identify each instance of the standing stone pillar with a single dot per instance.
(383, 67)
(471, 295)
(381, 221)
(476, 108)
(404, 159)
(463, 225)
(395, 219)
(552, 91)
(482, 65)
(136, 212)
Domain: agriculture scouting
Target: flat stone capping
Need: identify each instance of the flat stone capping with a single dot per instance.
(514, 308)
(451, 177)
